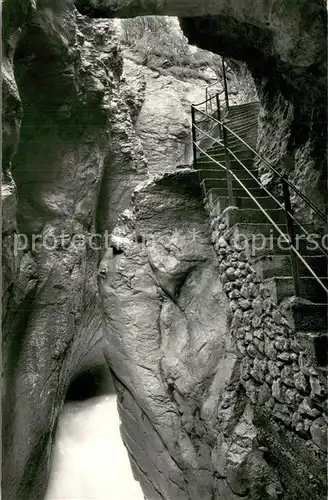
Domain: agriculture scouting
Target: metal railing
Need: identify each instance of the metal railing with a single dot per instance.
(223, 141)
(210, 95)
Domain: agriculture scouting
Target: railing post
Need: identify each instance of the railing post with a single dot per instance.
(291, 233)
(225, 84)
(219, 114)
(227, 164)
(194, 136)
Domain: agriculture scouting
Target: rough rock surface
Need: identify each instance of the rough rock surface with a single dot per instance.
(284, 46)
(212, 405)
(76, 134)
(278, 372)
(165, 316)
(163, 120)
(164, 123)
(213, 374)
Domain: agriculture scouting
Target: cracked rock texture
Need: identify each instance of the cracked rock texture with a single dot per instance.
(284, 46)
(211, 407)
(62, 185)
(166, 318)
(163, 120)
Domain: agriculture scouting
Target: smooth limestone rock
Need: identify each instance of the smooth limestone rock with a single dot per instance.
(166, 337)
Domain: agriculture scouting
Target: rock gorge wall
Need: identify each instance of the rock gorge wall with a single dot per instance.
(163, 118)
(218, 396)
(165, 316)
(62, 186)
(203, 403)
(284, 46)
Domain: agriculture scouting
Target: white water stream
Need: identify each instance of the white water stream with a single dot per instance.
(90, 460)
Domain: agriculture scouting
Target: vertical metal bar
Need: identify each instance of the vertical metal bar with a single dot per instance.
(218, 106)
(194, 134)
(203, 188)
(225, 84)
(291, 233)
(227, 164)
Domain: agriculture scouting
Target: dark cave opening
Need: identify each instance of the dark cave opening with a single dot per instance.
(94, 382)
(321, 350)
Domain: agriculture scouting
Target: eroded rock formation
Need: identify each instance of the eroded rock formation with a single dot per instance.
(76, 136)
(165, 316)
(284, 46)
(203, 402)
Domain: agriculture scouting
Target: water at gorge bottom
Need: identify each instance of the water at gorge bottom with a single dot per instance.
(90, 460)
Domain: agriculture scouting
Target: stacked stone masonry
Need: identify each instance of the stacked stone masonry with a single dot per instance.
(275, 369)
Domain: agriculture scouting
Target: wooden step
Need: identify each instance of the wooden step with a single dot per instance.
(222, 173)
(221, 180)
(257, 216)
(210, 183)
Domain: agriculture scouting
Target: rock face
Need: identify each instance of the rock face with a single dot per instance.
(284, 46)
(75, 137)
(165, 316)
(164, 122)
(211, 377)
(163, 113)
(103, 265)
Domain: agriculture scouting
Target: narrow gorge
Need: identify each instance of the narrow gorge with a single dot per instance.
(124, 281)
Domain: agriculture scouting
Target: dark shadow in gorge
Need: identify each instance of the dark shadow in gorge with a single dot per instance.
(95, 382)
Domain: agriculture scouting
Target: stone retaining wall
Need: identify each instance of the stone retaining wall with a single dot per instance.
(277, 369)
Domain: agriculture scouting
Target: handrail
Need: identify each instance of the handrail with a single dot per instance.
(270, 220)
(290, 238)
(203, 102)
(299, 193)
(220, 142)
(225, 84)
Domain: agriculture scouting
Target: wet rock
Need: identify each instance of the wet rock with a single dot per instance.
(258, 305)
(278, 391)
(269, 350)
(282, 344)
(277, 316)
(259, 369)
(273, 369)
(307, 408)
(281, 412)
(259, 344)
(318, 388)
(287, 376)
(230, 273)
(252, 351)
(264, 394)
(256, 321)
(300, 382)
(318, 431)
(292, 397)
